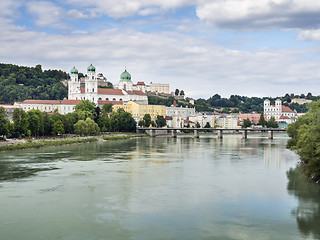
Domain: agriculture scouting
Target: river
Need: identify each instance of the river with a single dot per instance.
(158, 188)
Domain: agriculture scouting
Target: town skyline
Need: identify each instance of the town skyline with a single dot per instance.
(228, 47)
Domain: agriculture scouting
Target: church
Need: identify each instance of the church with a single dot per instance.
(91, 91)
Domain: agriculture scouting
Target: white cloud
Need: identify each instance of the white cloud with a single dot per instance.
(195, 65)
(128, 8)
(248, 14)
(313, 35)
(47, 13)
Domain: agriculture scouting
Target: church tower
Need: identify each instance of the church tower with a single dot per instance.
(125, 81)
(91, 85)
(74, 85)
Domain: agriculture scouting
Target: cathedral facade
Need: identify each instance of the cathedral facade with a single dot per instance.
(91, 91)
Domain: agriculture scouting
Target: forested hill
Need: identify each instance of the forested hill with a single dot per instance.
(18, 83)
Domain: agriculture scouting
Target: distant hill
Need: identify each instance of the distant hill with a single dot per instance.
(18, 83)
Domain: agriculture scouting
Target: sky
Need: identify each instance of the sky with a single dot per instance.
(229, 47)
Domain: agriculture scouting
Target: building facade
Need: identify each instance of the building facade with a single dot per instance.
(139, 110)
(92, 92)
(127, 85)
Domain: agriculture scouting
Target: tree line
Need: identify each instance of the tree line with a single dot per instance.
(85, 120)
(305, 140)
(18, 83)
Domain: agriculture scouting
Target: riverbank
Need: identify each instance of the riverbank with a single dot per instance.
(18, 144)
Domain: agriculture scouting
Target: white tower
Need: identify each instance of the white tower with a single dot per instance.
(74, 85)
(91, 85)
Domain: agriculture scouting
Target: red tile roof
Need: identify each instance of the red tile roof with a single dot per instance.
(109, 91)
(101, 102)
(32, 101)
(135, 92)
(70, 102)
(140, 83)
(286, 109)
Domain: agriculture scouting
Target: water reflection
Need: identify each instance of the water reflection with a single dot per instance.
(308, 211)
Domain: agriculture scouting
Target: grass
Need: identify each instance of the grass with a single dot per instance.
(59, 142)
(126, 136)
(38, 144)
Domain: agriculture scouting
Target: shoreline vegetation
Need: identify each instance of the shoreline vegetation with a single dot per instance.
(21, 144)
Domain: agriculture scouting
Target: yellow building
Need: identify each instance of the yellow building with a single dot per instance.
(139, 110)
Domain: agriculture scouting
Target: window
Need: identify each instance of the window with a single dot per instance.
(113, 99)
(100, 98)
(107, 99)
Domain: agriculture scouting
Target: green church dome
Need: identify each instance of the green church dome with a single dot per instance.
(74, 71)
(125, 76)
(91, 68)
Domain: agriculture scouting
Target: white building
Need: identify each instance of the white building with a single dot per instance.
(203, 119)
(91, 92)
(227, 122)
(184, 113)
(277, 110)
(126, 84)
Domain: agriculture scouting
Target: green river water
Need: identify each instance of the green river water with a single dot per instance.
(158, 188)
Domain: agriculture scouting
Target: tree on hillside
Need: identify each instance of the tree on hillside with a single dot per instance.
(176, 92)
(181, 93)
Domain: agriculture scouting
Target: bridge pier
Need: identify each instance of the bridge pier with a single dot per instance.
(220, 134)
(196, 134)
(270, 134)
(152, 133)
(174, 133)
(245, 134)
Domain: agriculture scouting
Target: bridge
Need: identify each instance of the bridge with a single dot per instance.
(153, 131)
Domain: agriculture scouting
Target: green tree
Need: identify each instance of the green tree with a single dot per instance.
(4, 122)
(20, 122)
(141, 123)
(262, 120)
(35, 122)
(176, 92)
(69, 120)
(107, 108)
(207, 125)
(304, 139)
(104, 123)
(86, 109)
(247, 123)
(181, 93)
(198, 125)
(57, 128)
(272, 123)
(86, 127)
(161, 121)
(147, 120)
